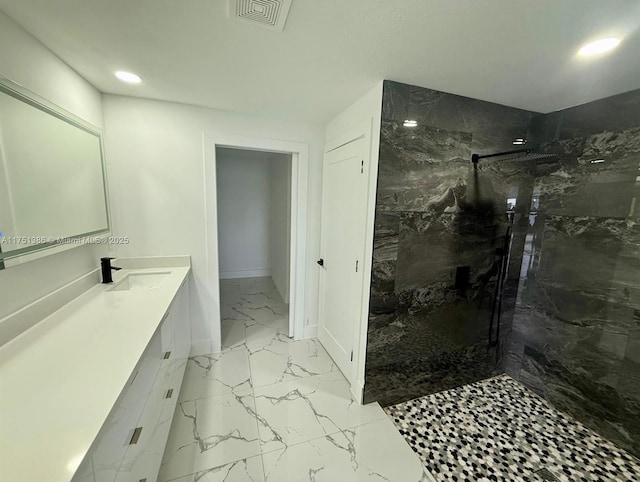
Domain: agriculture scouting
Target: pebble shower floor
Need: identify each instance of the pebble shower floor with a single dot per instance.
(497, 430)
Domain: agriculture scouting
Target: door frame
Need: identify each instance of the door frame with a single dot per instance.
(298, 226)
(370, 153)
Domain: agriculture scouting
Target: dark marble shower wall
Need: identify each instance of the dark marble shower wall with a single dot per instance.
(434, 215)
(576, 328)
(570, 314)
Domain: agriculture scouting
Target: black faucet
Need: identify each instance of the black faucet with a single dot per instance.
(105, 265)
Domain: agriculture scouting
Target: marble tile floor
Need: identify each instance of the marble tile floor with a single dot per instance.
(268, 408)
(497, 430)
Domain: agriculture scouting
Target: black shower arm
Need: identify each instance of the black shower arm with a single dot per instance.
(476, 157)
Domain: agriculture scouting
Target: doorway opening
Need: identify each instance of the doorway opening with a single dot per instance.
(254, 212)
(299, 177)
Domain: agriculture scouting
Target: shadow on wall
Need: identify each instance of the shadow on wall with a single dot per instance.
(569, 327)
(438, 224)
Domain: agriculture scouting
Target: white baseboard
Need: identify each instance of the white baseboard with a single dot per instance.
(200, 347)
(310, 331)
(357, 391)
(248, 273)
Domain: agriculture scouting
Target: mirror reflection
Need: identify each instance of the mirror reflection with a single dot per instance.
(52, 183)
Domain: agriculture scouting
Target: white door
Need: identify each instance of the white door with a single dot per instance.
(342, 248)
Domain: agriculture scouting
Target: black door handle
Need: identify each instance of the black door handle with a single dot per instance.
(321, 262)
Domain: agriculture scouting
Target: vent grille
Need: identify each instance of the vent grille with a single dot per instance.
(271, 14)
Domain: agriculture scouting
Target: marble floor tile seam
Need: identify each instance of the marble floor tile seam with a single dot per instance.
(343, 431)
(257, 412)
(301, 377)
(259, 470)
(257, 415)
(270, 451)
(241, 392)
(319, 437)
(208, 363)
(295, 363)
(173, 469)
(331, 415)
(206, 470)
(277, 316)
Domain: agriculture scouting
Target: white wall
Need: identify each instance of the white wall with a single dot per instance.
(26, 61)
(281, 223)
(362, 117)
(244, 210)
(156, 159)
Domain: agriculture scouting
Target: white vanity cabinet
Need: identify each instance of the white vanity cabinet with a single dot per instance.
(109, 448)
(130, 444)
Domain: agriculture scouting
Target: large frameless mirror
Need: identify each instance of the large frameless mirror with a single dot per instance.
(52, 177)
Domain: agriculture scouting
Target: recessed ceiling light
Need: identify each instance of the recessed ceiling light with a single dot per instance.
(599, 47)
(519, 141)
(128, 77)
(410, 123)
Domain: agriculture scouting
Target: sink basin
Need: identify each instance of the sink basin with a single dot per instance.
(140, 281)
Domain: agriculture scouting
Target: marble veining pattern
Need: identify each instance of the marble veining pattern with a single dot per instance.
(576, 329)
(299, 410)
(434, 214)
(498, 430)
(367, 452)
(271, 409)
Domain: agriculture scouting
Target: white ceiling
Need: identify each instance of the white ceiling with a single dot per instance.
(515, 52)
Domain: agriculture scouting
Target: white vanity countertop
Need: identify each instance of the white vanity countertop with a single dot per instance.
(60, 379)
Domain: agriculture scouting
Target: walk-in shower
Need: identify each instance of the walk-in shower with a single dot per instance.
(503, 272)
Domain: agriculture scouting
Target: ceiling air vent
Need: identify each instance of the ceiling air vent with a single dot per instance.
(271, 14)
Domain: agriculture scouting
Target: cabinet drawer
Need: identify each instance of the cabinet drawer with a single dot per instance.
(142, 460)
(111, 445)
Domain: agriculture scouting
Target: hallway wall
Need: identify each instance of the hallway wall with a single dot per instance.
(280, 221)
(244, 213)
(254, 206)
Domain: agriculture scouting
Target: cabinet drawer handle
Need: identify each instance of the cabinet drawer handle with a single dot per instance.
(136, 436)
(167, 355)
(169, 393)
